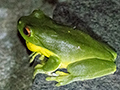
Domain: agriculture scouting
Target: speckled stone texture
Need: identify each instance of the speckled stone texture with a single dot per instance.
(99, 18)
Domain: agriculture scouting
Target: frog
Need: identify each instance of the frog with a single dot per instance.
(65, 47)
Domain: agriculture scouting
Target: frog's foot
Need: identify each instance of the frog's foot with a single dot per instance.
(62, 80)
(38, 69)
(33, 56)
(36, 55)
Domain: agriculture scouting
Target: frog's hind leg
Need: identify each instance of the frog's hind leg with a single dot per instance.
(83, 70)
(91, 68)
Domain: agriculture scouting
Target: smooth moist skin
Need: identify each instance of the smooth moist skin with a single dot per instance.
(65, 47)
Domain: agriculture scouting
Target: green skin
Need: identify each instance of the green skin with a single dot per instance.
(87, 58)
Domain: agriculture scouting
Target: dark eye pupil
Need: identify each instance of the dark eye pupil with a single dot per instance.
(25, 31)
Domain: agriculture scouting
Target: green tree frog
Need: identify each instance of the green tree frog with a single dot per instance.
(65, 47)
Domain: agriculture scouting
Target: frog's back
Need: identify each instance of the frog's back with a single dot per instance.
(72, 45)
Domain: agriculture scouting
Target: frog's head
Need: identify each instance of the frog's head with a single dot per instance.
(30, 26)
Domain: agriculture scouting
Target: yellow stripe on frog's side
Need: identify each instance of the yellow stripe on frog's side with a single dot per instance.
(45, 52)
(39, 49)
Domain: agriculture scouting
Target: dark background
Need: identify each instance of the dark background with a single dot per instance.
(99, 18)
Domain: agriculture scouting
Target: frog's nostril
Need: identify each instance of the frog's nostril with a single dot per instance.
(19, 22)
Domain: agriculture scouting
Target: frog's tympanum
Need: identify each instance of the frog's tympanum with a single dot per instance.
(65, 47)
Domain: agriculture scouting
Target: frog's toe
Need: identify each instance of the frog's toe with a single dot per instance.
(38, 66)
(59, 84)
(32, 56)
(37, 71)
(51, 79)
(62, 80)
(57, 78)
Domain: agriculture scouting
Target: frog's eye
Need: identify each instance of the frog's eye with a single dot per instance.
(27, 31)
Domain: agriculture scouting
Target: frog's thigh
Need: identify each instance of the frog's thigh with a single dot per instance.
(91, 68)
(62, 79)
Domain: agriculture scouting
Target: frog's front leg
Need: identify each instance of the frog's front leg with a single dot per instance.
(48, 67)
(84, 70)
(34, 55)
